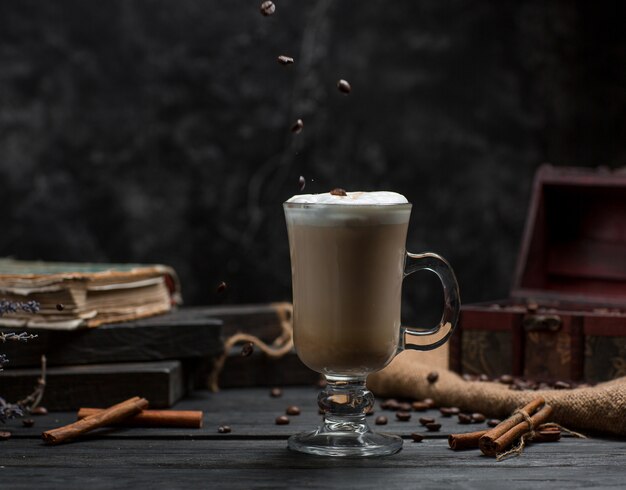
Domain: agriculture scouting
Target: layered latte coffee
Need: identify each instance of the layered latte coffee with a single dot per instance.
(347, 261)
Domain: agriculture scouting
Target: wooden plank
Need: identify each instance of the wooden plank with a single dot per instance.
(179, 334)
(99, 385)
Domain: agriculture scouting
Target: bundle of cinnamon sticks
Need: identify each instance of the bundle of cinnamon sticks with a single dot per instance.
(528, 422)
(130, 413)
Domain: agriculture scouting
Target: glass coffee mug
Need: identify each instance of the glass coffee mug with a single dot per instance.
(348, 263)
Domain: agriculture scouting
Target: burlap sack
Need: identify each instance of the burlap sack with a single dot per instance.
(600, 408)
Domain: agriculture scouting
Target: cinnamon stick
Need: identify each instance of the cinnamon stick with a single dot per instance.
(154, 418)
(491, 445)
(469, 440)
(109, 416)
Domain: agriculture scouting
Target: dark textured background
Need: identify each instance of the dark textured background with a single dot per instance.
(157, 130)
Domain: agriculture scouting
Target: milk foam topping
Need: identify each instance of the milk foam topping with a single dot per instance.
(359, 198)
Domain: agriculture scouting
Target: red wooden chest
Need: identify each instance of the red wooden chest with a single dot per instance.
(566, 317)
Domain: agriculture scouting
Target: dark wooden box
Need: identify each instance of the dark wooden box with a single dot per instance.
(566, 317)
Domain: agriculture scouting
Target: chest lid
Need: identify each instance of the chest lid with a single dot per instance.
(574, 243)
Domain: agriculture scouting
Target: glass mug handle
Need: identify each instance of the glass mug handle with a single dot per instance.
(452, 302)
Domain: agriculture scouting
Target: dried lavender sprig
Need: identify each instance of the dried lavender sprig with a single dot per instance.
(13, 306)
(20, 337)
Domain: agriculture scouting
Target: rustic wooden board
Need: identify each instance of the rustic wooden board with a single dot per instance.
(98, 385)
(180, 334)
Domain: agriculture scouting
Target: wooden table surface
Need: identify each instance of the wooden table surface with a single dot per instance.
(255, 454)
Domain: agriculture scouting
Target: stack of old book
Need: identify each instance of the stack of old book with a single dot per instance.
(142, 345)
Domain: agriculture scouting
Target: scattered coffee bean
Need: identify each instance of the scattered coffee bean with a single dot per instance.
(562, 385)
(344, 87)
(28, 422)
(381, 420)
(390, 404)
(282, 420)
(302, 183)
(427, 420)
(224, 429)
(433, 427)
(39, 411)
(247, 349)
(403, 416)
(449, 411)
(464, 418)
(60, 307)
(293, 410)
(4, 435)
(506, 379)
(285, 60)
(432, 377)
(297, 126)
(338, 192)
(221, 287)
(420, 406)
(276, 393)
(417, 437)
(483, 377)
(430, 402)
(267, 8)
(493, 422)
(478, 417)
(404, 407)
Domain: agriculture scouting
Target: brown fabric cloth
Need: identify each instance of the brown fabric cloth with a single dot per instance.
(599, 408)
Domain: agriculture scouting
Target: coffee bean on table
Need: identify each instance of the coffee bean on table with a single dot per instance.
(247, 349)
(478, 417)
(302, 183)
(426, 420)
(430, 402)
(224, 429)
(344, 87)
(282, 420)
(28, 422)
(297, 126)
(276, 393)
(449, 411)
(417, 437)
(293, 410)
(381, 420)
(403, 416)
(464, 418)
(4, 435)
(420, 406)
(562, 385)
(483, 377)
(267, 8)
(39, 411)
(432, 377)
(339, 192)
(433, 427)
(506, 379)
(221, 287)
(404, 407)
(390, 404)
(285, 60)
(493, 422)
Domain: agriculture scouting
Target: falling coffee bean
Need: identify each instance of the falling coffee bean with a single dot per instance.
(302, 183)
(276, 393)
(426, 420)
(297, 127)
(381, 420)
(464, 418)
(478, 417)
(433, 427)
(417, 437)
(39, 411)
(247, 349)
(403, 416)
(267, 8)
(4, 435)
(420, 406)
(339, 192)
(224, 429)
(293, 410)
(28, 422)
(60, 307)
(344, 87)
(285, 60)
(432, 377)
(282, 420)
(221, 287)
